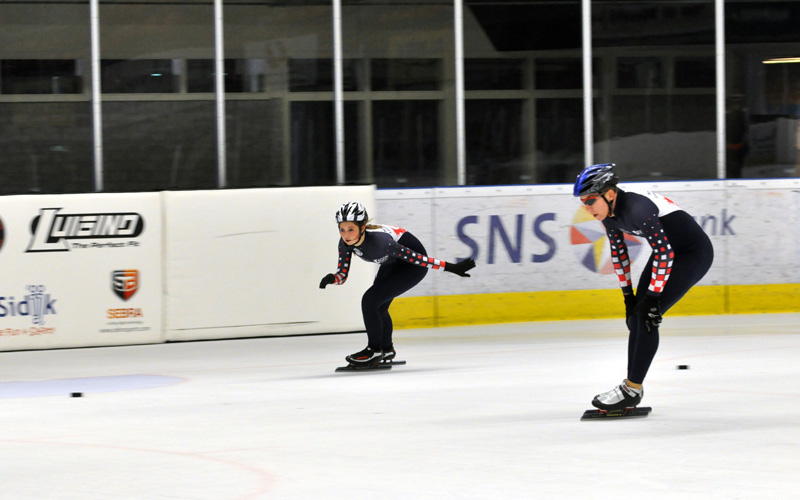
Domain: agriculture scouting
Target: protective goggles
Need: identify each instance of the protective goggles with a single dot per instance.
(590, 200)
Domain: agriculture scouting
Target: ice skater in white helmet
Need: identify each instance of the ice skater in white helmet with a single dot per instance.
(403, 264)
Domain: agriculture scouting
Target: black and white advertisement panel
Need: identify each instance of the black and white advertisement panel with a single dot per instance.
(80, 270)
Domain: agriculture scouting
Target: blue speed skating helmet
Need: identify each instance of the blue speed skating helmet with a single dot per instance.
(594, 179)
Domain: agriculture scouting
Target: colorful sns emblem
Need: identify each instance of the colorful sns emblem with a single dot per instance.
(590, 243)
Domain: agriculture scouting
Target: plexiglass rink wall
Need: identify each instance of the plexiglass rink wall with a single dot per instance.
(653, 92)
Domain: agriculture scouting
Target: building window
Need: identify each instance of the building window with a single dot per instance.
(494, 74)
(40, 76)
(640, 73)
(139, 76)
(316, 75)
(406, 74)
(695, 72)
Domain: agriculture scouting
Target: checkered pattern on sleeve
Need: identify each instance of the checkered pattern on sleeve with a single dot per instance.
(404, 253)
(345, 255)
(619, 258)
(663, 255)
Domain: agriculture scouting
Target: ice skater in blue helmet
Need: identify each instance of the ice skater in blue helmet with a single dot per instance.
(403, 264)
(681, 255)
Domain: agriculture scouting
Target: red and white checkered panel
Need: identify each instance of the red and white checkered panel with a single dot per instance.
(620, 259)
(662, 254)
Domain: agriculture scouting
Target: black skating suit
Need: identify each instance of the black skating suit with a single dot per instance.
(403, 264)
(682, 255)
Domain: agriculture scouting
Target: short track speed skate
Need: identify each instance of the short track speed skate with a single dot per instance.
(636, 412)
(383, 365)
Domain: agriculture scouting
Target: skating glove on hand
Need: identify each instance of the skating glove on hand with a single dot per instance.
(329, 279)
(630, 306)
(460, 268)
(651, 308)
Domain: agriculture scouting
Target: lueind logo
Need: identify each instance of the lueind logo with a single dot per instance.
(55, 232)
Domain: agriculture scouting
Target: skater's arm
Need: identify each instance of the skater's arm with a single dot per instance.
(345, 255)
(404, 253)
(620, 259)
(662, 254)
(343, 267)
(644, 215)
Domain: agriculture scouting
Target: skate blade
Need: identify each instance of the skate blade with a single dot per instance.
(368, 368)
(636, 412)
(394, 362)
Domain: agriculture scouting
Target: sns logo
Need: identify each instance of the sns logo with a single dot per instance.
(125, 283)
(52, 231)
(590, 243)
(37, 304)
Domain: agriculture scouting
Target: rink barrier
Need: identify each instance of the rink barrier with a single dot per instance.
(80, 270)
(105, 269)
(540, 256)
(248, 262)
(457, 310)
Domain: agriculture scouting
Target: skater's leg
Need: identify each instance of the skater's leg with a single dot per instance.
(404, 279)
(373, 322)
(645, 338)
(691, 268)
(392, 280)
(643, 341)
(387, 326)
(371, 304)
(687, 269)
(633, 334)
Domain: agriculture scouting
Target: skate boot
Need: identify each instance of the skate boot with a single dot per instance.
(389, 354)
(618, 398)
(365, 357)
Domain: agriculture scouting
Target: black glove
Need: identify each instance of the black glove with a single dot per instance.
(460, 268)
(651, 308)
(329, 279)
(630, 306)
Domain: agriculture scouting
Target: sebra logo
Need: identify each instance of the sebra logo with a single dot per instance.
(125, 283)
(52, 231)
(35, 304)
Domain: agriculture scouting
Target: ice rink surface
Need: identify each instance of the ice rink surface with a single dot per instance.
(483, 412)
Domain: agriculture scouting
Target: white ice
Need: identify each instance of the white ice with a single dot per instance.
(483, 412)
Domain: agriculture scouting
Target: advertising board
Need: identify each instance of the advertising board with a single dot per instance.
(80, 270)
(243, 263)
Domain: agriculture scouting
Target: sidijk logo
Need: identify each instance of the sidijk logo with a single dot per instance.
(125, 283)
(55, 232)
(37, 304)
